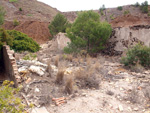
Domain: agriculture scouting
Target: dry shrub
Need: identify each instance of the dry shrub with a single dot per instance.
(49, 68)
(136, 68)
(133, 96)
(97, 66)
(56, 61)
(69, 86)
(60, 77)
(86, 79)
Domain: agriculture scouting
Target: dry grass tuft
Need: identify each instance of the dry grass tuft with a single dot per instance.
(86, 79)
(56, 61)
(69, 86)
(49, 68)
(60, 77)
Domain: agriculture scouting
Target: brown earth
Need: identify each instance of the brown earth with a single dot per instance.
(37, 30)
(130, 20)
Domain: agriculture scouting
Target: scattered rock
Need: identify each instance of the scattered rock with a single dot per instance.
(120, 108)
(38, 70)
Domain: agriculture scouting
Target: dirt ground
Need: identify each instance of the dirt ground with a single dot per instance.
(107, 86)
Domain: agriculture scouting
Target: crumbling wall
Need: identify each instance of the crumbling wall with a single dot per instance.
(10, 64)
(125, 37)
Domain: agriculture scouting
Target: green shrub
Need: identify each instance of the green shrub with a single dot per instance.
(144, 7)
(20, 9)
(88, 33)
(21, 42)
(16, 22)
(112, 17)
(59, 24)
(138, 54)
(120, 8)
(126, 12)
(13, 0)
(137, 4)
(9, 102)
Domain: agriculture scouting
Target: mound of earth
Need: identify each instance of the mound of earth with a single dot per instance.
(37, 30)
(130, 20)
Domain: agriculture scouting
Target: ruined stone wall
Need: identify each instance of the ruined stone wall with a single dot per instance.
(125, 37)
(10, 64)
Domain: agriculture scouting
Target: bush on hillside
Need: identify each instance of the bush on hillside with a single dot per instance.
(138, 54)
(88, 33)
(144, 7)
(59, 24)
(18, 41)
(120, 8)
(21, 42)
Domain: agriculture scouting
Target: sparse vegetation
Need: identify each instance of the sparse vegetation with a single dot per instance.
(138, 54)
(13, 0)
(30, 56)
(16, 22)
(112, 17)
(120, 8)
(2, 14)
(126, 12)
(59, 24)
(87, 33)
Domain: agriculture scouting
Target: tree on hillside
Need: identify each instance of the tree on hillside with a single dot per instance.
(88, 33)
(59, 24)
(144, 7)
(2, 13)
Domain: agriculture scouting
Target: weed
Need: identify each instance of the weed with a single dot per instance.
(49, 68)
(13, 0)
(126, 12)
(60, 77)
(112, 17)
(29, 15)
(30, 56)
(69, 86)
(16, 22)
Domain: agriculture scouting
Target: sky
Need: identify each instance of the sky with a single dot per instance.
(78, 5)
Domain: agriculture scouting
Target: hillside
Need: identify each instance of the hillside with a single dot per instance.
(118, 18)
(34, 18)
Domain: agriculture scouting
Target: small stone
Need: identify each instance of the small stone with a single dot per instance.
(135, 109)
(37, 90)
(147, 112)
(120, 108)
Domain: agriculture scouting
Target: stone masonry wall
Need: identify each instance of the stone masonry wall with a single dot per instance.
(10, 64)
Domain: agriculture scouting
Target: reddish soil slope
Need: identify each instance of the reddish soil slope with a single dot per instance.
(37, 30)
